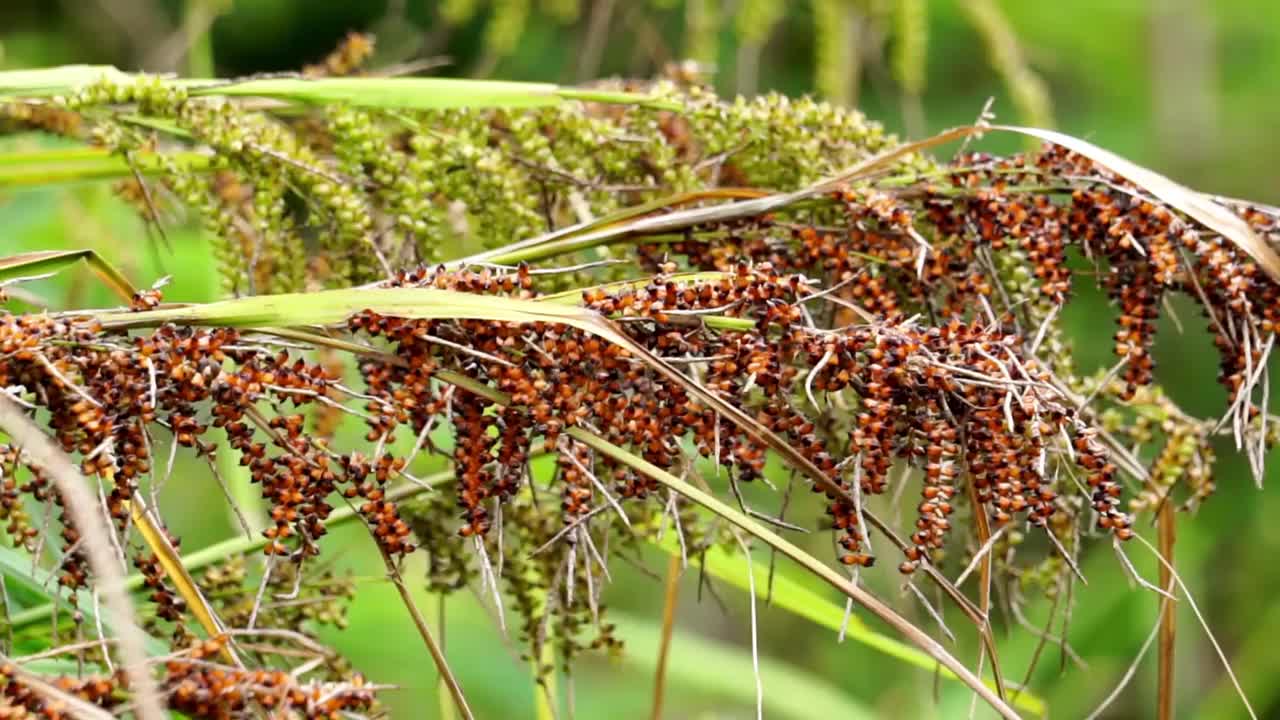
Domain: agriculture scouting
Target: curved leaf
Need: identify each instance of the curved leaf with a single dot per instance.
(16, 268)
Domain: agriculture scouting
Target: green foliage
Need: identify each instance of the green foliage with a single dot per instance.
(377, 186)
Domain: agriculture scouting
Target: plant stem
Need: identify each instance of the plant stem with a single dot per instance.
(983, 528)
(447, 711)
(437, 655)
(46, 167)
(544, 688)
(668, 623)
(1168, 619)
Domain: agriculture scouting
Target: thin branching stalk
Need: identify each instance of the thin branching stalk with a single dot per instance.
(1167, 523)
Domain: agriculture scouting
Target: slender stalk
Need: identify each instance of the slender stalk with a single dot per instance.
(544, 688)
(1168, 618)
(670, 599)
(437, 655)
(447, 711)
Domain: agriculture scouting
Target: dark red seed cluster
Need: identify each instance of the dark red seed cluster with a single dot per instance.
(196, 686)
(1101, 479)
(168, 605)
(105, 390)
(961, 393)
(983, 208)
(941, 455)
(19, 701)
(933, 397)
(199, 688)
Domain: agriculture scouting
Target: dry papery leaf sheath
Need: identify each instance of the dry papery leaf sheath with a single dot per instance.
(906, 315)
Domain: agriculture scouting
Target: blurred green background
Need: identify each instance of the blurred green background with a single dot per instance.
(1188, 87)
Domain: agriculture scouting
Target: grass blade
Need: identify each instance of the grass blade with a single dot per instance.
(534, 247)
(670, 599)
(38, 264)
(62, 165)
(335, 306)
(411, 93)
(54, 80)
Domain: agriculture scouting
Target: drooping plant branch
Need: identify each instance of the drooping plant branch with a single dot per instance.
(701, 286)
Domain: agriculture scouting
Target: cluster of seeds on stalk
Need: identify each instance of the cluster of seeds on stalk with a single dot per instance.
(199, 688)
(990, 205)
(12, 511)
(1143, 242)
(1185, 456)
(105, 388)
(169, 606)
(941, 454)
(195, 685)
(933, 397)
(20, 701)
(958, 393)
(935, 287)
(936, 397)
(916, 391)
(1102, 483)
